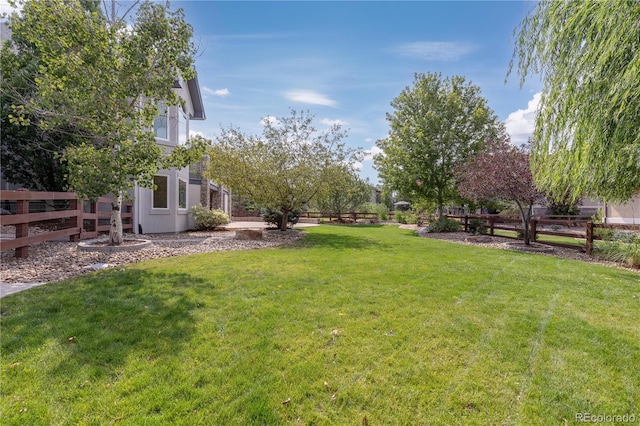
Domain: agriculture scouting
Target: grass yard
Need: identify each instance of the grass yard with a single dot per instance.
(542, 238)
(351, 325)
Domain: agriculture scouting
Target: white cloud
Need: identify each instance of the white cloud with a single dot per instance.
(5, 7)
(269, 119)
(447, 51)
(310, 97)
(193, 133)
(329, 122)
(370, 153)
(520, 123)
(216, 92)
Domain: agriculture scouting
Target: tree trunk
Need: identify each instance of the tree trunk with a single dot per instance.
(285, 217)
(115, 231)
(526, 219)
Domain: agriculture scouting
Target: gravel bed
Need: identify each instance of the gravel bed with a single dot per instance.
(54, 261)
(499, 243)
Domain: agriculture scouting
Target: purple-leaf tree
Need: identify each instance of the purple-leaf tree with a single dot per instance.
(501, 171)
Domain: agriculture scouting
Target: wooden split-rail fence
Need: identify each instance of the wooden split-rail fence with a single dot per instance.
(60, 214)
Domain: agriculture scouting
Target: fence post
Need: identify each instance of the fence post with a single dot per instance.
(589, 237)
(76, 221)
(22, 229)
(491, 223)
(534, 229)
(466, 223)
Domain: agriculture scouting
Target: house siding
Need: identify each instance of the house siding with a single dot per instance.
(627, 213)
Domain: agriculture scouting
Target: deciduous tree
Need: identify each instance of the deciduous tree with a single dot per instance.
(102, 79)
(285, 168)
(436, 123)
(343, 191)
(587, 136)
(501, 172)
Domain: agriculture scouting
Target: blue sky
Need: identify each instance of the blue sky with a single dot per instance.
(346, 61)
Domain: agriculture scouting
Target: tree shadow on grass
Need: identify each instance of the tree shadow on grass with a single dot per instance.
(95, 324)
(342, 242)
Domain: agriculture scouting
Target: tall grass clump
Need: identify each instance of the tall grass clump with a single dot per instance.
(621, 247)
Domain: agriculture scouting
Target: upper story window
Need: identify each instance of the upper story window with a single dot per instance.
(183, 128)
(161, 122)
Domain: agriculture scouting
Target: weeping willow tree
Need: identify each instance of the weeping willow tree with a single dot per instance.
(587, 132)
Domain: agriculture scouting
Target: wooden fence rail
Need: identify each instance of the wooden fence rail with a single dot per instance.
(584, 224)
(82, 219)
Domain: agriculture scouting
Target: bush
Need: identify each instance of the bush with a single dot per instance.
(520, 235)
(625, 250)
(400, 217)
(477, 226)
(444, 224)
(605, 234)
(381, 209)
(274, 217)
(203, 218)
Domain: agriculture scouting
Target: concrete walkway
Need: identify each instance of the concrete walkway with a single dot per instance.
(10, 288)
(261, 225)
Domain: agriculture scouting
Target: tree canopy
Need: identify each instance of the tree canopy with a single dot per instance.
(436, 123)
(102, 80)
(587, 137)
(501, 172)
(285, 168)
(343, 191)
(29, 154)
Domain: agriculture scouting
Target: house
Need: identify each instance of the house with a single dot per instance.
(624, 213)
(166, 208)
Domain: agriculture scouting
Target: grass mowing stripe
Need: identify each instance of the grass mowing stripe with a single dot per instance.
(402, 329)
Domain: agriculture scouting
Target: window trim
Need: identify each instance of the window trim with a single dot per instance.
(153, 193)
(183, 118)
(167, 127)
(186, 194)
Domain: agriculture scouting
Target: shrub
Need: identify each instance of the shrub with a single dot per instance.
(412, 218)
(381, 209)
(477, 226)
(203, 218)
(444, 224)
(626, 250)
(605, 234)
(520, 235)
(274, 217)
(400, 217)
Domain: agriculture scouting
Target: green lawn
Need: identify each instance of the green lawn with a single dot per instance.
(543, 238)
(351, 322)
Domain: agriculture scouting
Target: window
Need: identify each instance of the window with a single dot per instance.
(160, 124)
(182, 194)
(183, 129)
(160, 193)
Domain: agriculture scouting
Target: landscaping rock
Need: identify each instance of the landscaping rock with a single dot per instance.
(422, 231)
(248, 234)
(479, 239)
(55, 260)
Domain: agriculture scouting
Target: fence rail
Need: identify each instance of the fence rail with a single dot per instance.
(584, 224)
(81, 219)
